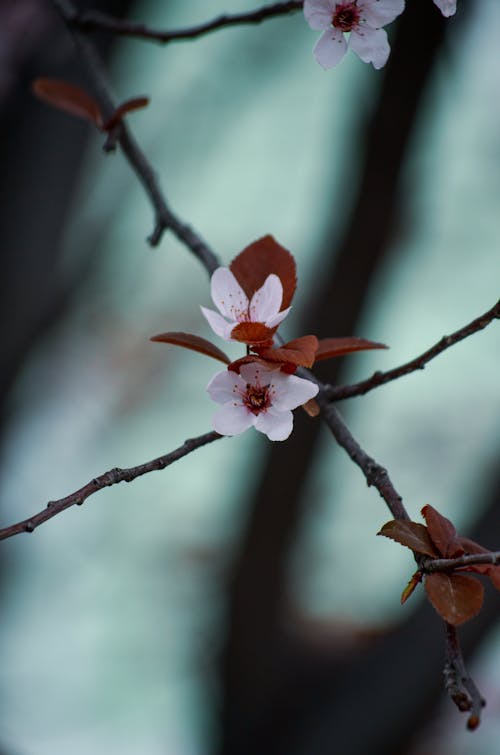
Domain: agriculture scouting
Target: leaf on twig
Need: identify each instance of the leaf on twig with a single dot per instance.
(194, 343)
(455, 597)
(411, 534)
(414, 581)
(135, 103)
(299, 352)
(442, 533)
(336, 347)
(262, 258)
(68, 97)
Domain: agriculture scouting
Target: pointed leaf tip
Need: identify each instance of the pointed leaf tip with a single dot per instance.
(410, 534)
(337, 347)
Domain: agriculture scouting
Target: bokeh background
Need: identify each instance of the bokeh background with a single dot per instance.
(239, 601)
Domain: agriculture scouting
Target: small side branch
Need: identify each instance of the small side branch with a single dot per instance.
(459, 685)
(113, 477)
(336, 393)
(93, 20)
(461, 562)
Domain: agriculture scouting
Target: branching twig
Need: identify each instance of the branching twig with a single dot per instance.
(335, 393)
(450, 564)
(165, 218)
(91, 20)
(112, 477)
(458, 683)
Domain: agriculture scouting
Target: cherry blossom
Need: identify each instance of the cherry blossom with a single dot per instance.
(362, 19)
(235, 307)
(447, 7)
(258, 397)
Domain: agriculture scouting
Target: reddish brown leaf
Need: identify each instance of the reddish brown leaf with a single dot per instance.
(258, 260)
(194, 343)
(411, 534)
(336, 347)
(253, 333)
(299, 352)
(490, 570)
(68, 97)
(456, 598)
(410, 587)
(442, 533)
(136, 103)
(238, 363)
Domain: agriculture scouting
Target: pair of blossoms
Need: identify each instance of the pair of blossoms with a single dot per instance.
(260, 389)
(363, 21)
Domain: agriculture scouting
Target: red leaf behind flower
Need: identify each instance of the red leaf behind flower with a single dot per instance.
(456, 598)
(442, 532)
(411, 534)
(336, 347)
(194, 343)
(299, 352)
(258, 260)
(68, 97)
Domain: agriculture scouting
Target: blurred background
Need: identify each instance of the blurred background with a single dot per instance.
(239, 602)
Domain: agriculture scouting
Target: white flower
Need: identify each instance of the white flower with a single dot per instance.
(447, 7)
(258, 397)
(235, 308)
(362, 19)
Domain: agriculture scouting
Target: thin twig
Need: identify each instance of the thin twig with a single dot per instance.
(336, 393)
(165, 218)
(113, 477)
(374, 473)
(450, 564)
(93, 20)
(459, 685)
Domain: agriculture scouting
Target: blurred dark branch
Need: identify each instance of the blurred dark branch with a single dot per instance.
(165, 218)
(458, 683)
(449, 564)
(105, 480)
(335, 393)
(93, 20)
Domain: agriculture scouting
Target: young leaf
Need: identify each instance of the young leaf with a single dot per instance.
(68, 97)
(411, 534)
(311, 407)
(456, 598)
(336, 347)
(248, 359)
(410, 587)
(299, 352)
(194, 343)
(258, 260)
(442, 533)
(136, 103)
(253, 333)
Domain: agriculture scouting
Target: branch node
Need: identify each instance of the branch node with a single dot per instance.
(29, 527)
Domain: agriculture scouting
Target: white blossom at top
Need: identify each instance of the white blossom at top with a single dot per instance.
(447, 7)
(235, 308)
(362, 19)
(258, 397)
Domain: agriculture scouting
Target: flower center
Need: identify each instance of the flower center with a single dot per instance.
(257, 398)
(346, 16)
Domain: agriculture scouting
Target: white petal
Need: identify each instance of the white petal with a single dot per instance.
(220, 326)
(256, 374)
(330, 48)
(226, 386)
(227, 294)
(232, 420)
(266, 302)
(292, 391)
(276, 425)
(371, 45)
(271, 322)
(319, 13)
(447, 7)
(380, 12)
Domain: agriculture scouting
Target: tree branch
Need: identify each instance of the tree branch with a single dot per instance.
(336, 393)
(450, 564)
(105, 480)
(165, 218)
(93, 20)
(459, 685)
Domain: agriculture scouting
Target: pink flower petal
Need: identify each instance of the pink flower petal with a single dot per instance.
(266, 302)
(292, 391)
(219, 325)
(447, 7)
(378, 13)
(371, 45)
(330, 48)
(256, 373)
(232, 420)
(276, 425)
(319, 13)
(226, 386)
(271, 322)
(227, 294)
